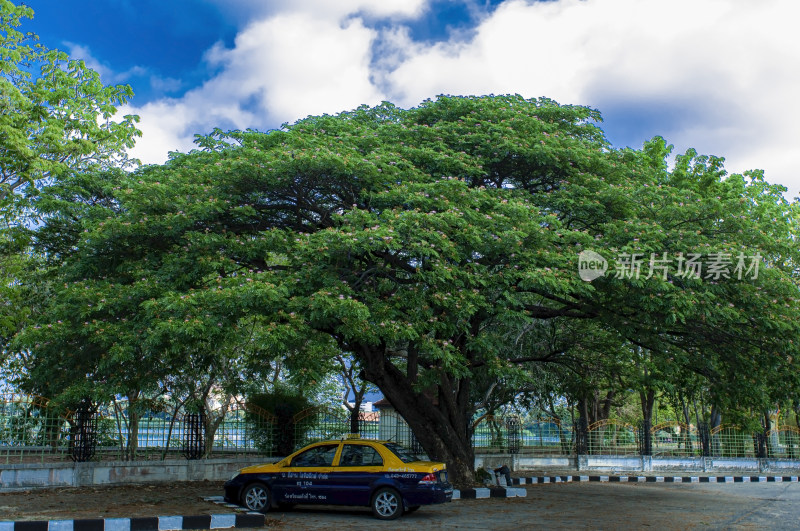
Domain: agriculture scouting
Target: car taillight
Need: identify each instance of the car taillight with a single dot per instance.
(428, 479)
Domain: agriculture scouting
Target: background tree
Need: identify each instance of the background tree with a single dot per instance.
(56, 115)
(354, 385)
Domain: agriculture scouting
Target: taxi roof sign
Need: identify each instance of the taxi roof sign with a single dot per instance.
(352, 436)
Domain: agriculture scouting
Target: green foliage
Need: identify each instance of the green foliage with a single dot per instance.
(437, 244)
(483, 476)
(56, 116)
(31, 425)
(282, 437)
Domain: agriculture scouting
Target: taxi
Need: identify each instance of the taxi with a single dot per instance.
(382, 475)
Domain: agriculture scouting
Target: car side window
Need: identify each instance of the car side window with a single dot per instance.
(360, 455)
(317, 456)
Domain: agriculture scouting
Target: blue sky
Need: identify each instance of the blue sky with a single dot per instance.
(717, 75)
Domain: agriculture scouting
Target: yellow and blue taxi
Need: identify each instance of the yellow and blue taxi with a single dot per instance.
(382, 475)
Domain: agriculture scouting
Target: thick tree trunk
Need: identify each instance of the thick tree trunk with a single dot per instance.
(354, 413)
(133, 435)
(715, 421)
(687, 419)
(132, 447)
(648, 399)
(595, 408)
(441, 423)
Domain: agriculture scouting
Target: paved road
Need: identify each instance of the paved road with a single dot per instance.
(587, 506)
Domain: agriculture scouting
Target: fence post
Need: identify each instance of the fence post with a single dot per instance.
(645, 438)
(513, 429)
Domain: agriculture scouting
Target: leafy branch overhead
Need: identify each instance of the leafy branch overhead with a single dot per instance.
(56, 115)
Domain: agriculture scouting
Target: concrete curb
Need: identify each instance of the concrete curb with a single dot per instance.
(489, 492)
(154, 523)
(655, 479)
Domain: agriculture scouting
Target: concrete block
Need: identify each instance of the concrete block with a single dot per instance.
(170, 523)
(223, 521)
(118, 524)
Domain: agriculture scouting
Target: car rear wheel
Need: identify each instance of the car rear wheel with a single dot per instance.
(387, 504)
(256, 497)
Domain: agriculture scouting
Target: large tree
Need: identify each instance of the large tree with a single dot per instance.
(421, 240)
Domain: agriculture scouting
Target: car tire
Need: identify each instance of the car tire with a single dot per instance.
(256, 497)
(386, 504)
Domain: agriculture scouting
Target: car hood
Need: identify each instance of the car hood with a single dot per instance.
(260, 469)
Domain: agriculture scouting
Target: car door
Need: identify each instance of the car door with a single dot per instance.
(359, 465)
(307, 477)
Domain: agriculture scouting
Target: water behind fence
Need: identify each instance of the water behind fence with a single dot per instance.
(31, 430)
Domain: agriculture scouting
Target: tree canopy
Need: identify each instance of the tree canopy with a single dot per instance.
(56, 118)
(439, 245)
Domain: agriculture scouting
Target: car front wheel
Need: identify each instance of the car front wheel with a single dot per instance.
(386, 504)
(256, 497)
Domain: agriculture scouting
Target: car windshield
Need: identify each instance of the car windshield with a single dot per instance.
(405, 455)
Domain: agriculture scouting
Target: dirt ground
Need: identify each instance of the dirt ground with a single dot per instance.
(112, 502)
(552, 506)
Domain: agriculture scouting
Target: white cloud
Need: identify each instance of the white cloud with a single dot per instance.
(726, 66)
(723, 69)
(280, 69)
(109, 76)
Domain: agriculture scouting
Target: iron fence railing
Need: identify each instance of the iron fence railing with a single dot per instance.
(33, 430)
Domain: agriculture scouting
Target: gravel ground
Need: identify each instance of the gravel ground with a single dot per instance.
(112, 502)
(559, 506)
